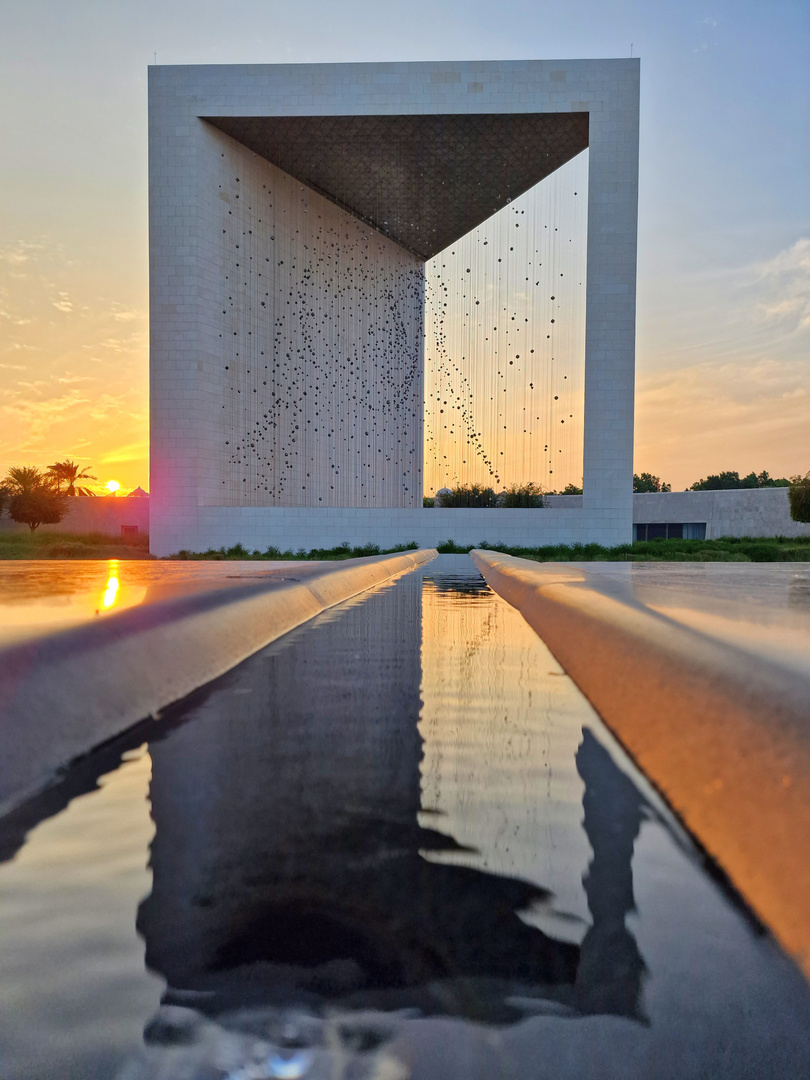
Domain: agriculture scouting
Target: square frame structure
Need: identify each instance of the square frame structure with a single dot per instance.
(187, 349)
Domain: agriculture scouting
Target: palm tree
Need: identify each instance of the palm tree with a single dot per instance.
(32, 498)
(23, 479)
(68, 472)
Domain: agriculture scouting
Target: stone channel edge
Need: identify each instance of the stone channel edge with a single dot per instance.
(723, 735)
(63, 694)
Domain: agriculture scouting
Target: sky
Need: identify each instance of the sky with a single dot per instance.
(723, 348)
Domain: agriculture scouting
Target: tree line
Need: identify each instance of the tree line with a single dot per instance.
(724, 481)
(531, 495)
(37, 498)
(799, 494)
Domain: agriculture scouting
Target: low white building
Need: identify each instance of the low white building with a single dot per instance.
(711, 514)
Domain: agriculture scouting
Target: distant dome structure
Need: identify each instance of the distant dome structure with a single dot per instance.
(138, 493)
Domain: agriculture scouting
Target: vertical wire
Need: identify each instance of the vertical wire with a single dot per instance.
(495, 366)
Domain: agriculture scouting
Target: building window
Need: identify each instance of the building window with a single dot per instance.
(129, 530)
(690, 530)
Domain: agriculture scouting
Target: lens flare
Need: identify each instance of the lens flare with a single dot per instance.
(111, 592)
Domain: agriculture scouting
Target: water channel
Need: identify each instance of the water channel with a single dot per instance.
(396, 843)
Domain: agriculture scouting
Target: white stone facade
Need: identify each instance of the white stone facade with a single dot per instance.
(322, 340)
(224, 466)
(747, 512)
(113, 515)
(294, 528)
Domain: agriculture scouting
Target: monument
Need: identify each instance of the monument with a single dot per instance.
(292, 209)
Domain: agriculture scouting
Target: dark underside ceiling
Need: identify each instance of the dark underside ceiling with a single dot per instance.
(423, 180)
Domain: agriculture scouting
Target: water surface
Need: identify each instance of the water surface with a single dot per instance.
(44, 596)
(397, 842)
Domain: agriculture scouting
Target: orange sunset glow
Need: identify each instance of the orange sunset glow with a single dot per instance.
(724, 252)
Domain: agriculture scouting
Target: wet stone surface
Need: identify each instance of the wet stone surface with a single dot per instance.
(42, 596)
(395, 843)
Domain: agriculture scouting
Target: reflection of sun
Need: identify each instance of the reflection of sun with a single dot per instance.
(112, 486)
(112, 585)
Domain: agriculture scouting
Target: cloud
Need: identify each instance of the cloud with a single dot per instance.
(132, 343)
(21, 251)
(114, 344)
(131, 452)
(14, 320)
(108, 405)
(741, 313)
(64, 303)
(73, 360)
(37, 387)
(38, 417)
(724, 415)
(784, 282)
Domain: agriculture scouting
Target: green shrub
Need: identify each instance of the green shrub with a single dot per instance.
(466, 496)
(451, 548)
(762, 552)
(520, 496)
(800, 498)
(726, 549)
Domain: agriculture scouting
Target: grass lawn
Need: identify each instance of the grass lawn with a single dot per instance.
(726, 549)
(342, 551)
(98, 546)
(52, 545)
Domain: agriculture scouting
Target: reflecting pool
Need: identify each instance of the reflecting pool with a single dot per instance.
(396, 843)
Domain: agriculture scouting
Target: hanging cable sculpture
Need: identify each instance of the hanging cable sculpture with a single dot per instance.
(505, 343)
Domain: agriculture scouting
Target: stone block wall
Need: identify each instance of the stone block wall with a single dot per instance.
(313, 333)
(748, 512)
(106, 514)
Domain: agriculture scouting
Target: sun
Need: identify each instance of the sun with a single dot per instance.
(112, 486)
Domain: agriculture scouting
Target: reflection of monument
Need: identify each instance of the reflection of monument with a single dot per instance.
(611, 968)
(286, 856)
(292, 209)
(288, 863)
